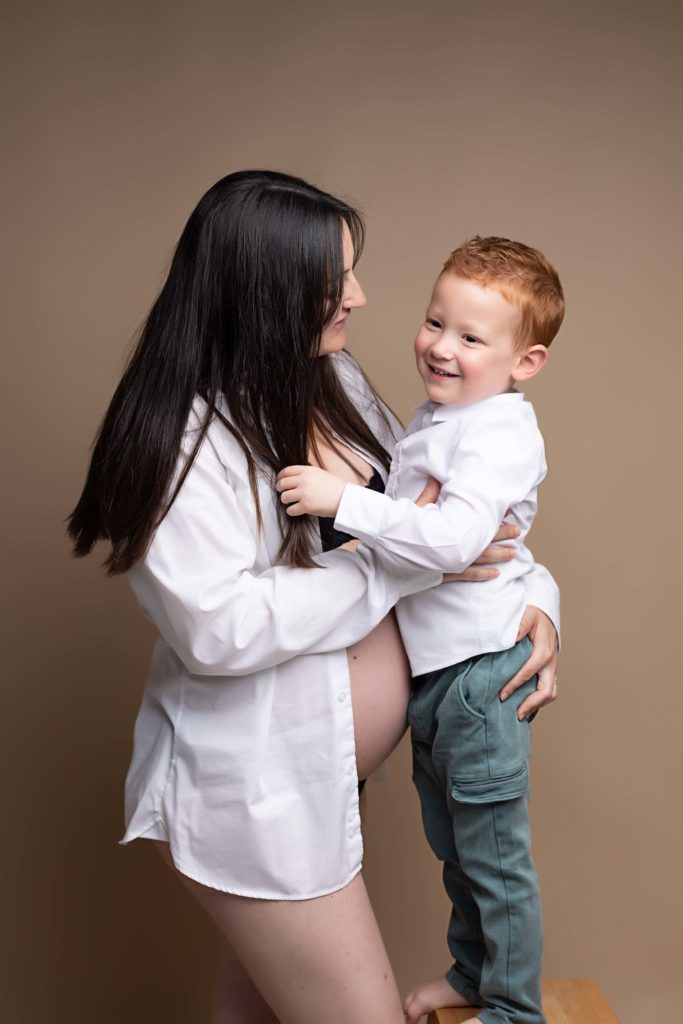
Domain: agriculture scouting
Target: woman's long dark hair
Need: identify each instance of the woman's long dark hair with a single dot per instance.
(256, 276)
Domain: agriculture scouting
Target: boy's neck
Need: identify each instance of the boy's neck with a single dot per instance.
(511, 390)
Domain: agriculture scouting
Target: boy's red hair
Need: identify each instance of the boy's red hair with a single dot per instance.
(522, 275)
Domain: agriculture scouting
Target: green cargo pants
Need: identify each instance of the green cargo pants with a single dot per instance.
(471, 770)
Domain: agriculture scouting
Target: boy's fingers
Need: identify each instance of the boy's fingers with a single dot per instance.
(286, 483)
(290, 471)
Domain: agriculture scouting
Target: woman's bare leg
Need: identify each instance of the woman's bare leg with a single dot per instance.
(236, 998)
(322, 958)
(317, 959)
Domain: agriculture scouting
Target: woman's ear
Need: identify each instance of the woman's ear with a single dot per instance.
(530, 362)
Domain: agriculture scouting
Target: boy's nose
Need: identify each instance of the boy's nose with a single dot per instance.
(442, 350)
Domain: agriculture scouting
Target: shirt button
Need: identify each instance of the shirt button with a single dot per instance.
(341, 697)
(350, 770)
(351, 817)
(351, 833)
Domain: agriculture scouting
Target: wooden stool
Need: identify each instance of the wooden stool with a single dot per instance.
(566, 1001)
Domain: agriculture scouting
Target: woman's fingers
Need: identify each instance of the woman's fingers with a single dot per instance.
(474, 574)
(542, 662)
(430, 493)
(507, 531)
(495, 553)
(545, 692)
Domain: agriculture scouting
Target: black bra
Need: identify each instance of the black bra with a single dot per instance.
(332, 538)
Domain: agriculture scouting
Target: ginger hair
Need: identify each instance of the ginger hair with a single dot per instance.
(522, 275)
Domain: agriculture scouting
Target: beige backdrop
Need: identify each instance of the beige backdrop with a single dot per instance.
(549, 122)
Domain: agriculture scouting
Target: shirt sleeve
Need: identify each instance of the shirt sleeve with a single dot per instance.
(543, 592)
(491, 467)
(197, 583)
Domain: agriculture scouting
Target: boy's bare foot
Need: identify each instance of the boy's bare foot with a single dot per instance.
(432, 995)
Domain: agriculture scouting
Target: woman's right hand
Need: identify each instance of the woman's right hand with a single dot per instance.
(484, 567)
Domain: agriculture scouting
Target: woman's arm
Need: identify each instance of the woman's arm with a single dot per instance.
(198, 585)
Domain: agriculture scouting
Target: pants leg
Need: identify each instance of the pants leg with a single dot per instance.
(478, 758)
(465, 938)
(492, 842)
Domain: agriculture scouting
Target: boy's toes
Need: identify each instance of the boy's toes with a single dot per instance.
(412, 1008)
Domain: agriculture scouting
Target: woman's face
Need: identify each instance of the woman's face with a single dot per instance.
(333, 338)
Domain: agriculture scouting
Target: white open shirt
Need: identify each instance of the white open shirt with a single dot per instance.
(243, 752)
(489, 459)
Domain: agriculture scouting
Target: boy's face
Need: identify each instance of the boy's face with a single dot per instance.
(465, 350)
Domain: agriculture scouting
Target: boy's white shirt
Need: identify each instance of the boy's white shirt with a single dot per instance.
(488, 457)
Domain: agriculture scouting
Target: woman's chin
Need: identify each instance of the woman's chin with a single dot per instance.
(333, 344)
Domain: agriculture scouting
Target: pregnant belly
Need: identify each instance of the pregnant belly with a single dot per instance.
(380, 686)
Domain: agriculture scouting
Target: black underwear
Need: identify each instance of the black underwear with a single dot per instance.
(332, 538)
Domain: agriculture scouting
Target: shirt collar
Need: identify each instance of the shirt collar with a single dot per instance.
(441, 413)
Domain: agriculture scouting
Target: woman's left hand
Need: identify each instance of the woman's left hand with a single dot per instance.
(543, 660)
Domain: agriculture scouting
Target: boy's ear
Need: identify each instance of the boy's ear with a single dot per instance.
(530, 362)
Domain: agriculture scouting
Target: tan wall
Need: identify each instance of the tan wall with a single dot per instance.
(552, 123)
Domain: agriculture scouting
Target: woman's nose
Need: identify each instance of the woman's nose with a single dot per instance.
(354, 296)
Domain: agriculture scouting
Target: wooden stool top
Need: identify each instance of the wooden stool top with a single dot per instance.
(565, 1001)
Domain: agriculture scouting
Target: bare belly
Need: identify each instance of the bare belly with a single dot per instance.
(380, 686)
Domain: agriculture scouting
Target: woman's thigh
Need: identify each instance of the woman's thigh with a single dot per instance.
(236, 998)
(317, 959)
(380, 687)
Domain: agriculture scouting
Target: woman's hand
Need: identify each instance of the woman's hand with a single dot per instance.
(543, 660)
(494, 553)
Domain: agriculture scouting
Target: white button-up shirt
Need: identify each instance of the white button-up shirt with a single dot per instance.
(243, 753)
(488, 457)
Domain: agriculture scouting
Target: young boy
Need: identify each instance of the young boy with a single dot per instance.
(495, 308)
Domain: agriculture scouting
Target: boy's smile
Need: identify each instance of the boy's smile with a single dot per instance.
(466, 349)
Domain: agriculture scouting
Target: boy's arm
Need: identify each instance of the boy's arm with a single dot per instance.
(491, 468)
(308, 490)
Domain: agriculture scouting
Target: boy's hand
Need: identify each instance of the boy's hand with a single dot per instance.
(308, 490)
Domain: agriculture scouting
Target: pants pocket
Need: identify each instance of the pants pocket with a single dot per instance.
(488, 747)
(508, 786)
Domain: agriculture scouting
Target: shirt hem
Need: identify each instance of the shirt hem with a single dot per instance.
(457, 657)
(197, 877)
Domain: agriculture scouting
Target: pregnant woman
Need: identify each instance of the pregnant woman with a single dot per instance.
(278, 679)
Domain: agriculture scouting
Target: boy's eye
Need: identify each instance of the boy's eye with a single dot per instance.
(432, 322)
(470, 339)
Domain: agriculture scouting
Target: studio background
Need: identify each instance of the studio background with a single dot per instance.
(555, 124)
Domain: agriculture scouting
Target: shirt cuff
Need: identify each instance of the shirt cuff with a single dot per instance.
(414, 582)
(361, 512)
(542, 592)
